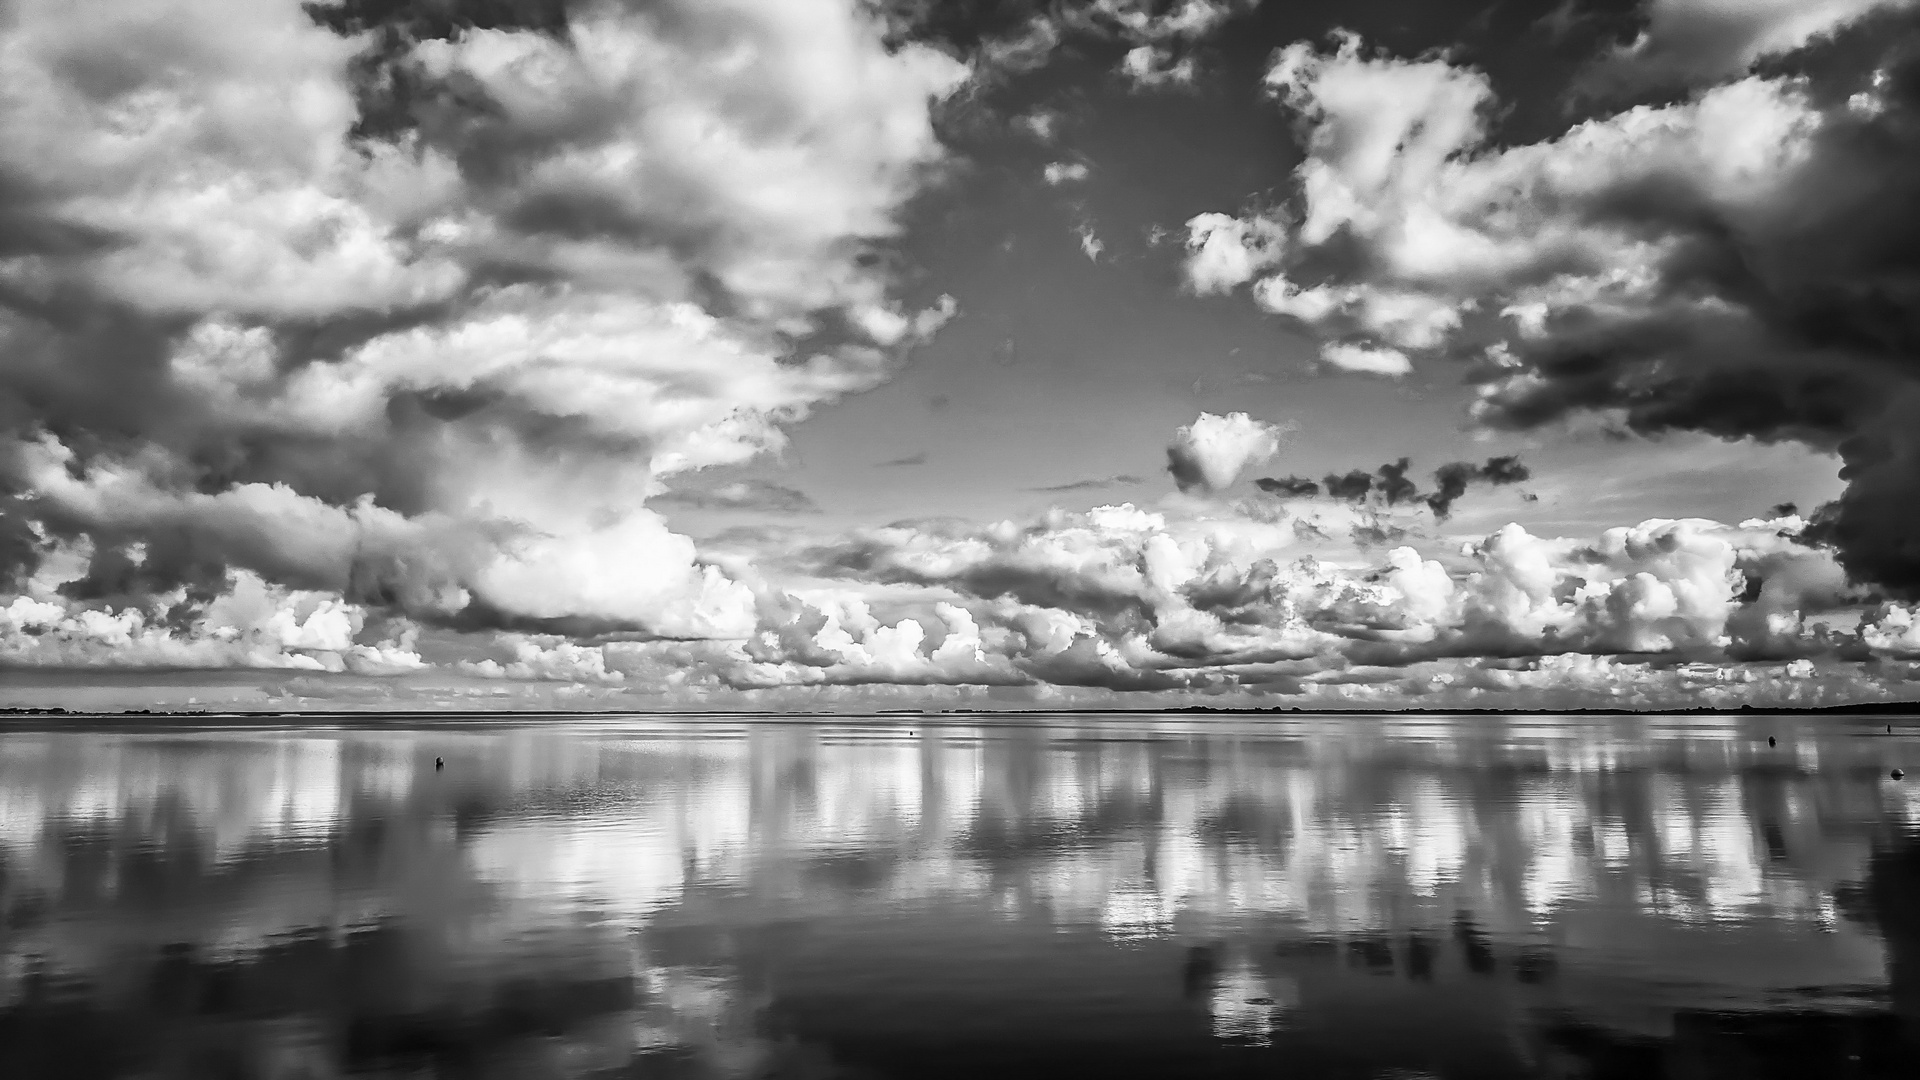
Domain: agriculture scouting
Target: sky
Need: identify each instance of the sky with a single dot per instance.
(844, 355)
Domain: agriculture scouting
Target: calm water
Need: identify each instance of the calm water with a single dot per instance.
(1116, 897)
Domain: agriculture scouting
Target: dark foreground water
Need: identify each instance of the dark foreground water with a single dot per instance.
(1371, 897)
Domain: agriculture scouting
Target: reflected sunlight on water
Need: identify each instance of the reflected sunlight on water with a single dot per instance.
(1124, 896)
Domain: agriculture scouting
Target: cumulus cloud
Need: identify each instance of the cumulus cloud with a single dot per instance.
(1121, 599)
(243, 621)
(1893, 629)
(841, 642)
(421, 308)
(1125, 598)
(547, 658)
(1224, 251)
(1724, 264)
(1210, 453)
(1064, 172)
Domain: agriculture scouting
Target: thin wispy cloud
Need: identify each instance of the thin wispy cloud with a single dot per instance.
(1101, 484)
(759, 495)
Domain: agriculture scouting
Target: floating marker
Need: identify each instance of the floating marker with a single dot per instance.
(438, 764)
(1898, 773)
(1770, 740)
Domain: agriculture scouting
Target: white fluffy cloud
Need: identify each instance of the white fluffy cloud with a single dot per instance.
(1403, 319)
(1894, 630)
(1210, 453)
(1397, 160)
(1064, 172)
(547, 658)
(1224, 252)
(521, 279)
(768, 134)
(1126, 599)
(1720, 264)
(204, 141)
(252, 624)
(1363, 360)
(1130, 599)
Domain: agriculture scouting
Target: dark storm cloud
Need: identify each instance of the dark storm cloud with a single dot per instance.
(1185, 470)
(1352, 487)
(1452, 479)
(1505, 469)
(1287, 486)
(1815, 322)
(1392, 487)
(19, 547)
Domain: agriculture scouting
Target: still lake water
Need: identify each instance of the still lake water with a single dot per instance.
(1000, 897)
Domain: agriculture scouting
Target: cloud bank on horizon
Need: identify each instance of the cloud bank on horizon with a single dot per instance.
(371, 346)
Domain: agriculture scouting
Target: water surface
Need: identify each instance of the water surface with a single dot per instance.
(1129, 896)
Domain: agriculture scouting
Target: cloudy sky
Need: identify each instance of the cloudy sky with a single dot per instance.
(850, 354)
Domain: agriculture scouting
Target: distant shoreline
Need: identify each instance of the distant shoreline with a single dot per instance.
(1878, 708)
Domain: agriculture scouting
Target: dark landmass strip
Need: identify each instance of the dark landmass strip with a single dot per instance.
(1873, 708)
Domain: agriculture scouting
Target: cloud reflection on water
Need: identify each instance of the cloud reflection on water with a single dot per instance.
(566, 901)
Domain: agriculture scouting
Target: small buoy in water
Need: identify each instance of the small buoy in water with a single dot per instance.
(438, 764)
(1898, 773)
(1769, 740)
